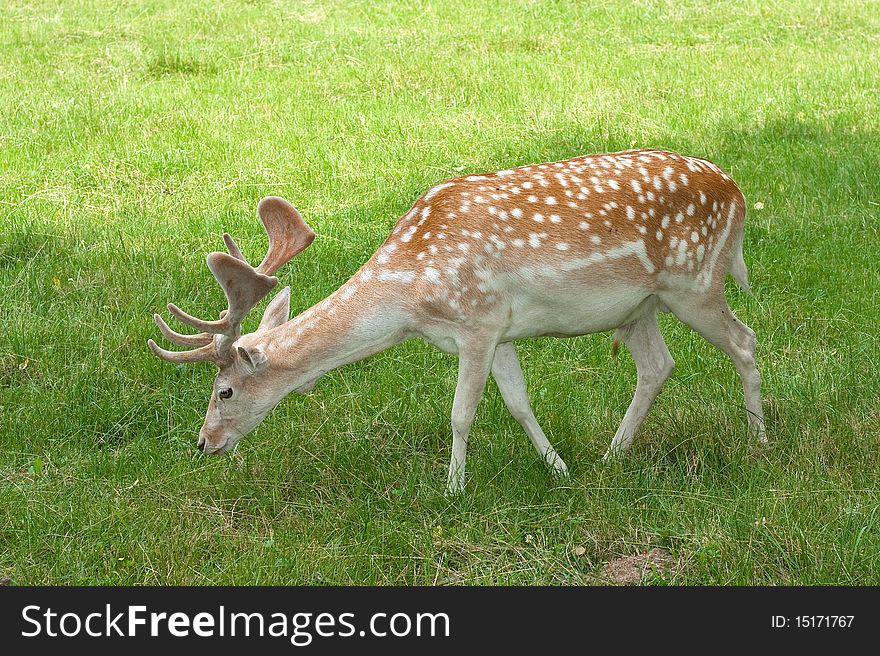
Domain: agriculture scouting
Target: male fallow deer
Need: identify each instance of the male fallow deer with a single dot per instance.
(566, 248)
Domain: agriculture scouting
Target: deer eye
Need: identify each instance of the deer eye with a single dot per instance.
(225, 393)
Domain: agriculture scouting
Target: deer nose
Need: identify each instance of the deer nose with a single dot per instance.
(201, 444)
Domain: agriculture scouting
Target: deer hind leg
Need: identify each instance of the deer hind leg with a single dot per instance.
(509, 377)
(654, 364)
(474, 363)
(712, 318)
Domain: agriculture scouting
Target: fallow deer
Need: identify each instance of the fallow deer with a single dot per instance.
(566, 248)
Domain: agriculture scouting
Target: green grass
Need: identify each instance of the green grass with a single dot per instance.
(133, 134)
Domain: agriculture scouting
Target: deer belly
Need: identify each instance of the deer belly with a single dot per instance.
(569, 311)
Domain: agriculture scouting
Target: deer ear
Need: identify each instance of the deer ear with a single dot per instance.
(253, 359)
(277, 311)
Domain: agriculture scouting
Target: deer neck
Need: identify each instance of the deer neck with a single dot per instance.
(353, 323)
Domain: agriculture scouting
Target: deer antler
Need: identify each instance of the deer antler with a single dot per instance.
(207, 352)
(288, 234)
(183, 340)
(244, 288)
(243, 285)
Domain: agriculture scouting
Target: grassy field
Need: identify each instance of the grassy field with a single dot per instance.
(133, 134)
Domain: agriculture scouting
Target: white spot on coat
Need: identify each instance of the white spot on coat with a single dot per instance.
(433, 191)
(401, 276)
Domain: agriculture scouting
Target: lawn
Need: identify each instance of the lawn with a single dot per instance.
(132, 135)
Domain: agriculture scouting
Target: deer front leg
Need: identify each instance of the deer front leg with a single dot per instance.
(474, 362)
(512, 385)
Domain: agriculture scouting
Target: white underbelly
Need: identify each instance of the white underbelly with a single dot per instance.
(569, 311)
(519, 306)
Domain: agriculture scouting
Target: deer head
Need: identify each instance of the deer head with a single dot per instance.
(243, 393)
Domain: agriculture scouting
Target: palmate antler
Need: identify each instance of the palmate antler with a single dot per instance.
(243, 285)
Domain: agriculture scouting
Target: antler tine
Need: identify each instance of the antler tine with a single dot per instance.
(288, 233)
(220, 326)
(182, 340)
(232, 247)
(200, 354)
